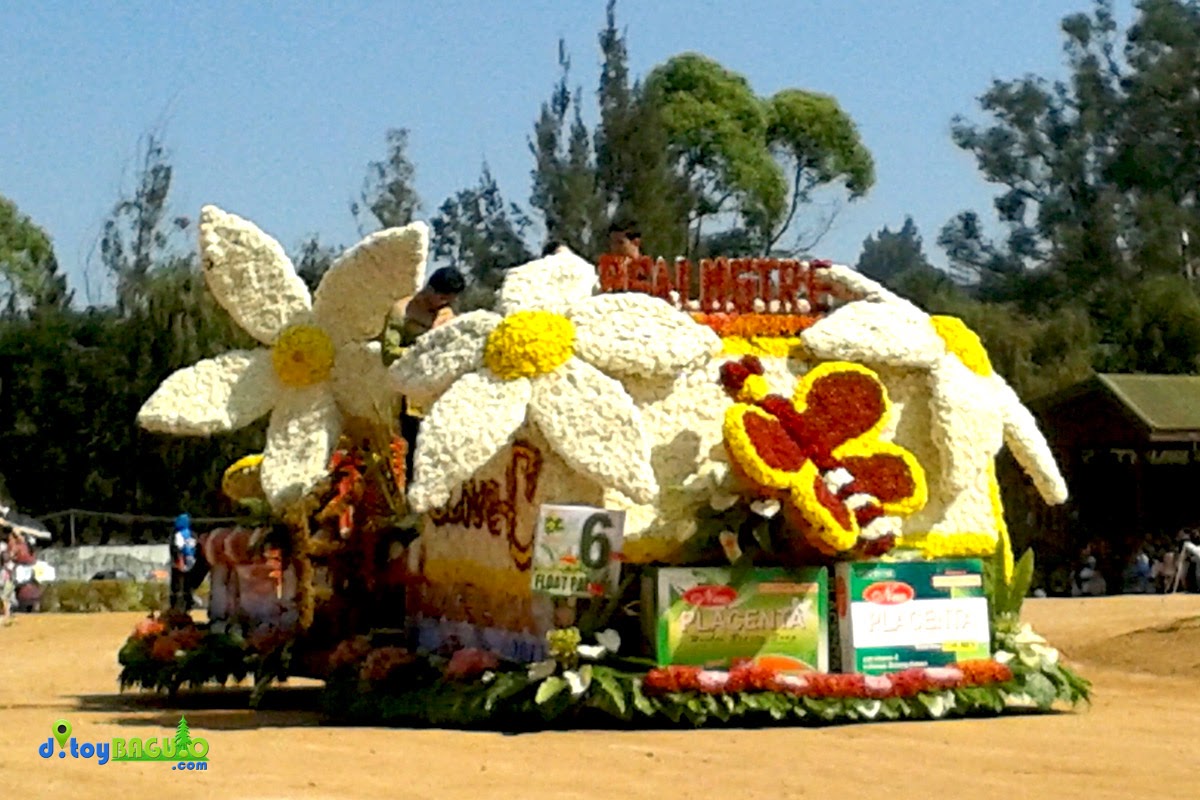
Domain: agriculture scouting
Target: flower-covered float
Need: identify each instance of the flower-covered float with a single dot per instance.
(758, 490)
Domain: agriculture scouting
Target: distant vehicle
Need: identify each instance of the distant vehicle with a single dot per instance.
(113, 575)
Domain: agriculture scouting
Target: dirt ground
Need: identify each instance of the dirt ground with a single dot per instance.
(1137, 740)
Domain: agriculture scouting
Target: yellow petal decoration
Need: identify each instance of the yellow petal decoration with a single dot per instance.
(303, 355)
(964, 343)
(529, 343)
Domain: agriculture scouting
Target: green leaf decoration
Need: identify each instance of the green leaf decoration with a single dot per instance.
(1039, 687)
(549, 689)
(1022, 579)
(607, 682)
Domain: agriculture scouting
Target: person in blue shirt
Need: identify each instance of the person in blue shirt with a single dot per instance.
(183, 562)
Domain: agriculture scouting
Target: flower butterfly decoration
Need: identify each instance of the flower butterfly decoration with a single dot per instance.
(820, 453)
(319, 364)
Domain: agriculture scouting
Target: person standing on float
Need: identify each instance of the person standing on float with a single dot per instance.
(410, 318)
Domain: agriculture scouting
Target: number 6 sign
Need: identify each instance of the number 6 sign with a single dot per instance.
(577, 551)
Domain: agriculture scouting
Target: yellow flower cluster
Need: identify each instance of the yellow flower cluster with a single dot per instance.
(962, 545)
(949, 545)
(241, 479)
(651, 550)
(964, 343)
(303, 355)
(529, 343)
(763, 346)
(489, 580)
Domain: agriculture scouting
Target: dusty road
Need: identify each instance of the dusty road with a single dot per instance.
(1138, 739)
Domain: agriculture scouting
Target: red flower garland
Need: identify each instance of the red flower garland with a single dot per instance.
(746, 676)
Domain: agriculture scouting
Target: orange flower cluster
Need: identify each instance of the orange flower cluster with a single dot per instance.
(350, 652)
(751, 325)
(168, 644)
(149, 628)
(746, 676)
(357, 494)
(383, 662)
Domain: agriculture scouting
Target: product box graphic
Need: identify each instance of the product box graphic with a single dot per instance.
(896, 615)
(704, 616)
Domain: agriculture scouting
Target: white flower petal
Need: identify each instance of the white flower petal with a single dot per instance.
(540, 670)
(548, 283)
(213, 396)
(966, 422)
(355, 295)
(250, 275)
(591, 652)
(579, 680)
(766, 508)
(442, 356)
(837, 478)
(472, 422)
(638, 335)
(882, 526)
(591, 421)
(1028, 446)
(609, 639)
(897, 334)
(723, 501)
(304, 430)
(360, 383)
(857, 284)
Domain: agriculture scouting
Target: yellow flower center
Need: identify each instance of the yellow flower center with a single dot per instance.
(964, 343)
(303, 355)
(529, 343)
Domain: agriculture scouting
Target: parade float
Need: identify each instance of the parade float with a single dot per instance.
(749, 490)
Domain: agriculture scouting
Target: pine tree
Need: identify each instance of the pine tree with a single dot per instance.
(183, 739)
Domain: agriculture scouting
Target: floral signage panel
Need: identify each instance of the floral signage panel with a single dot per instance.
(577, 551)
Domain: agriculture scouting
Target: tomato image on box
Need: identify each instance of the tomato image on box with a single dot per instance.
(896, 615)
(777, 617)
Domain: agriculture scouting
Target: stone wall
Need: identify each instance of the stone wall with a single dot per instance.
(81, 563)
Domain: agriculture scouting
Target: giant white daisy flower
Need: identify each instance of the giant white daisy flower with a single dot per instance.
(319, 364)
(974, 412)
(554, 356)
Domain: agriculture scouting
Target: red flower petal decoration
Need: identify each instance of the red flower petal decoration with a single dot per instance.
(841, 406)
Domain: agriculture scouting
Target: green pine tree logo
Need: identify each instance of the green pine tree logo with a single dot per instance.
(183, 740)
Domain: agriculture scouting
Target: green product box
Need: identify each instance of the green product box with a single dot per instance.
(703, 617)
(897, 615)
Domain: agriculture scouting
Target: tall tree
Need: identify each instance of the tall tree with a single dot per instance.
(313, 260)
(1050, 147)
(389, 195)
(139, 233)
(1098, 176)
(633, 169)
(752, 162)
(887, 254)
(29, 276)
(478, 233)
(565, 188)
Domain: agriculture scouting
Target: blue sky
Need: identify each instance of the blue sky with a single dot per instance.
(273, 110)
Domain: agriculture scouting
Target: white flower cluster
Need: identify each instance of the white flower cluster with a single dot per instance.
(967, 412)
(580, 405)
(953, 419)
(318, 364)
